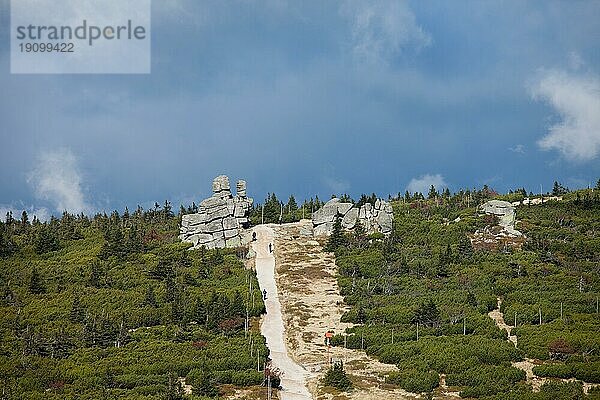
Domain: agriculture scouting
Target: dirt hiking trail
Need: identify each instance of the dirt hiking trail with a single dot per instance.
(528, 364)
(293, 379)
(312, 305)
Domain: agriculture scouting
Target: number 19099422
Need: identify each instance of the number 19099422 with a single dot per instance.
(47, 47)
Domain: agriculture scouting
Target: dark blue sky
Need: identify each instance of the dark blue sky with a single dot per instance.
(313, 98)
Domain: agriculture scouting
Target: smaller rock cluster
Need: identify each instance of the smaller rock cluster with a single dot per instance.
(377, 218)
(220, 219)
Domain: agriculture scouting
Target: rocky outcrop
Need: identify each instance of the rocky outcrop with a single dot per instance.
(506, 214)
(374, 218)
(221, 219)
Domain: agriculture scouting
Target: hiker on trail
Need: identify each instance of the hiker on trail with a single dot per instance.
(270, 247)
(264, 294)
(254, 236)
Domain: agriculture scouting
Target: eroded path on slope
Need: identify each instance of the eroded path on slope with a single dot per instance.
(293, 379)
(312, 305)
(527, 365)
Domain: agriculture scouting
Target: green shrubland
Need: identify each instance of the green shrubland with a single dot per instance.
(115, 306)
(427, 277)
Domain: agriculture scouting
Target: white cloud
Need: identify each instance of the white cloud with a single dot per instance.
(383, 29)
(519, 149)
(56, 178)
(576, 99)
(423, 183)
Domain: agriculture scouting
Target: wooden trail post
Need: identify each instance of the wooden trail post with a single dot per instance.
(328, 336)
(561, 310)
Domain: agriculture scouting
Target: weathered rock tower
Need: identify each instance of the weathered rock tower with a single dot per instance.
(221, 219)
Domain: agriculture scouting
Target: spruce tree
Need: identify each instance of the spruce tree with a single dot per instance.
(337, 378)
(36, 282)
(96, 277)
(169, 289)
(200, 312)
(24, 218)
(292, 206)
(427, 314)
(7, 247)
(237, 308)
(465, 249)
(360, 234)
(150, 298)
(177, 313)
(432, 193)
(77, 313)
(46, 240)
(206, 387)
(337, 238)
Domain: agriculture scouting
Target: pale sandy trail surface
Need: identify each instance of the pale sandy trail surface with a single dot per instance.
(312, 305)
(293, 380)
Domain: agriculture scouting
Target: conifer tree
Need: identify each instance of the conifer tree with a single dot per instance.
(7, 247)
(237, 308)
(169, 289)
(96, 277)
(432, 193)
(206, 387)
(77, 313)
(427, 314)
(24, 218)
(46, 240)
(150, 298)
(337, 238)
(36, 282)
(465, 249)
(360, 234)
(200, 312)
(337, 378)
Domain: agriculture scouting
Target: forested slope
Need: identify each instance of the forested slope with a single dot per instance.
(115, 307)
(426, 281)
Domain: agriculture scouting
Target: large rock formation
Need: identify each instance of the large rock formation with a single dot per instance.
(376, 218)
(506, 214)
(220, 219)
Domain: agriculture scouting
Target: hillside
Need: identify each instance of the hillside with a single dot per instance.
(115, 307)
(421, 298)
